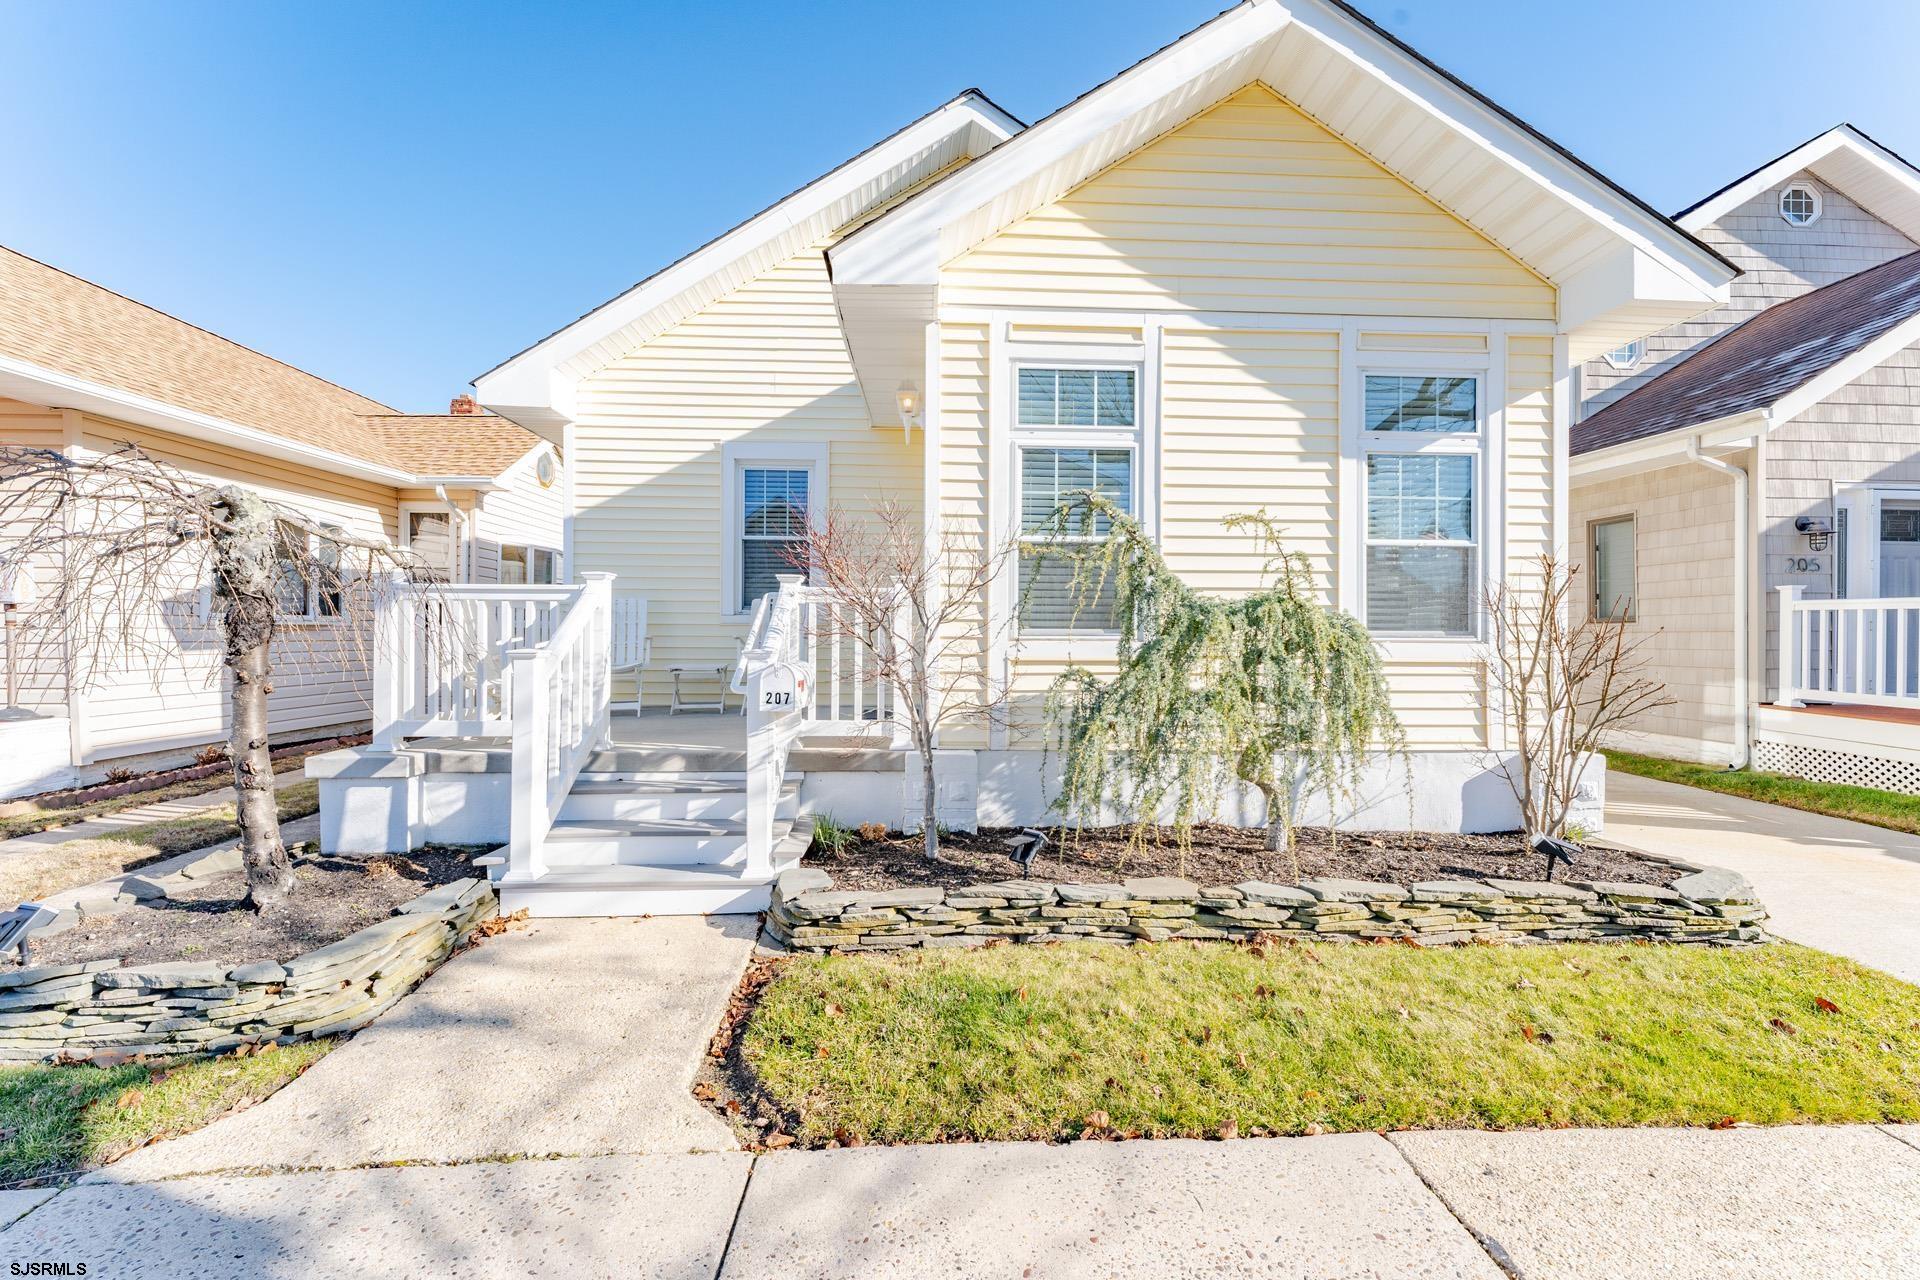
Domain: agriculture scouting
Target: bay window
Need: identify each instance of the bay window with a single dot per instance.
(1422, 443)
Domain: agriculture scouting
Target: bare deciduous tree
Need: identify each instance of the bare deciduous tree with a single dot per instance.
(1566, 684)
(919, 618)
(135, 558)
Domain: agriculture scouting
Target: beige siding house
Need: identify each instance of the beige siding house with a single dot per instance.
(85, 371)
(1283, 264)
(1764, 460)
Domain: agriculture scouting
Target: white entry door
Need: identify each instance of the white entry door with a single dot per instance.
(1899, 547)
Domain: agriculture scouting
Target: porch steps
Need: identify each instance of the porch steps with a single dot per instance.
(656, 843)
(678, 799)
(694, 889)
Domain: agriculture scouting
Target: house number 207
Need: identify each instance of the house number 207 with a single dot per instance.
(1802, 564)
(778, 699)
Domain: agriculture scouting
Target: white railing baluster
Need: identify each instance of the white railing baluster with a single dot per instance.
(1848, 651)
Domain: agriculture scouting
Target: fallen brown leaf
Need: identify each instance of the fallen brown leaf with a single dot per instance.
(1783, 1026)
(705, 1092)
(129, 1099)
(1825, 1005)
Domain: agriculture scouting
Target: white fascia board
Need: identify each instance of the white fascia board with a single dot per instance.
(31, 383)
(903, 247)
(1807, 155)
(1626, 294)
(1511, 142)
(526, 389)
(1669, 447)
(1831, 379)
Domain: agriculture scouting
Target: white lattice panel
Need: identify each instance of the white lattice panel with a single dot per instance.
(1850, 768)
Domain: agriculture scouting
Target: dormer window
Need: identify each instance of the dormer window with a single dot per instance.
(1624, 358)
(1800, 204)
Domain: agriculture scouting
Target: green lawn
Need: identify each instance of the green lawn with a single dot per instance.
(59, 1121)
(1862, 804)
(1183, 1040)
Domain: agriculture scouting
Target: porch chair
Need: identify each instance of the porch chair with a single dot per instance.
(632, 647)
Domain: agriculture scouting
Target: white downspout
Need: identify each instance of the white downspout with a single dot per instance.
(460, 568)
(1742, 701)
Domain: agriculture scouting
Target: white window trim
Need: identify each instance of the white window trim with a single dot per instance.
(1819, 205)
(1631, 520)
(1487, 445)
(736, 457)
(1142, 439)
(457, 548)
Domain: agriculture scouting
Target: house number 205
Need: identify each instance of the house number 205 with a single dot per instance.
(1802, 564)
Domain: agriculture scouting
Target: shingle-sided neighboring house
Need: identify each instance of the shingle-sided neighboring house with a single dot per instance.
(1283, 264)
(1766, 457)
(84, 369)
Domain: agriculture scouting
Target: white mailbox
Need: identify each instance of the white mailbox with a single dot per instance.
(783, 688)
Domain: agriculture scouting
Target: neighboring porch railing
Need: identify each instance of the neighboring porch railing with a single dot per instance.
(1865, 652)
(562, 693)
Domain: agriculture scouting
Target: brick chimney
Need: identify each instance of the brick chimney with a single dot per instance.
(463, 405)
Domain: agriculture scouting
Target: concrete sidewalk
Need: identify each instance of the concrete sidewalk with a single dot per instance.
(158, 811)
(1767, 1204)
(1841, 886)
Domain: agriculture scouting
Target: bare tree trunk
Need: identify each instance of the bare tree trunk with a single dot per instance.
(929, 826)
(246, 577)
(1279, 834)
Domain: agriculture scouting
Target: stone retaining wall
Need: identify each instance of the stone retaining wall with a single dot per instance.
(99, 1011)
(1708, 906)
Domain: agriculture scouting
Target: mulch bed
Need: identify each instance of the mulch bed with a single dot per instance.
(208, 924)
(1221, 855)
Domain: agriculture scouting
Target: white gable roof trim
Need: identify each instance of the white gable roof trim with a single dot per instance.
(1623, 269)
(536, 387)
(1845, 159)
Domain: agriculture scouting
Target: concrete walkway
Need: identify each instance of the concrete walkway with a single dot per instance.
(1841, 886)
(569, 1037)
(158, 811)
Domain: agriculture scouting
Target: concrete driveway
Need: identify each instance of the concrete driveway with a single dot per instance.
(1841, 886)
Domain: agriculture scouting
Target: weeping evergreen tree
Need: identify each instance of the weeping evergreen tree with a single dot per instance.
(1273, 689)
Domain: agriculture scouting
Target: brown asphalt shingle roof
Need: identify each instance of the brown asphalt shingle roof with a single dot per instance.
(71, 326)
(1762, 359)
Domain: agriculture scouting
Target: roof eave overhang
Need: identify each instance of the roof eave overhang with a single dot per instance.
(537, 388)
(1842, 157)
(1670, 448)
(1641, 275)
(36, 385)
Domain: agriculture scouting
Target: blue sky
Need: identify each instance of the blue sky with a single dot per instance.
(399, 195)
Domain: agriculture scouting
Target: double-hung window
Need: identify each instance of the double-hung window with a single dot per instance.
(1076, 431)
(1422, 442)
(774, 505)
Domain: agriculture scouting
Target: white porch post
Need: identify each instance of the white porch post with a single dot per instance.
(388, 639)
(1792, 646)
(527, 796)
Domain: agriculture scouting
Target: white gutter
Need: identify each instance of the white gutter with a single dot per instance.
(1742, 701)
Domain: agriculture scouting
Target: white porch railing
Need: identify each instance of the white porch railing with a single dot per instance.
(1865, 652)
(837, 645)
(561, 699)
(778, 687)
(441, 665)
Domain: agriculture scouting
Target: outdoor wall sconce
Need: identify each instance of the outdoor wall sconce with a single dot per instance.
(908, 399)
(1817, 528)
